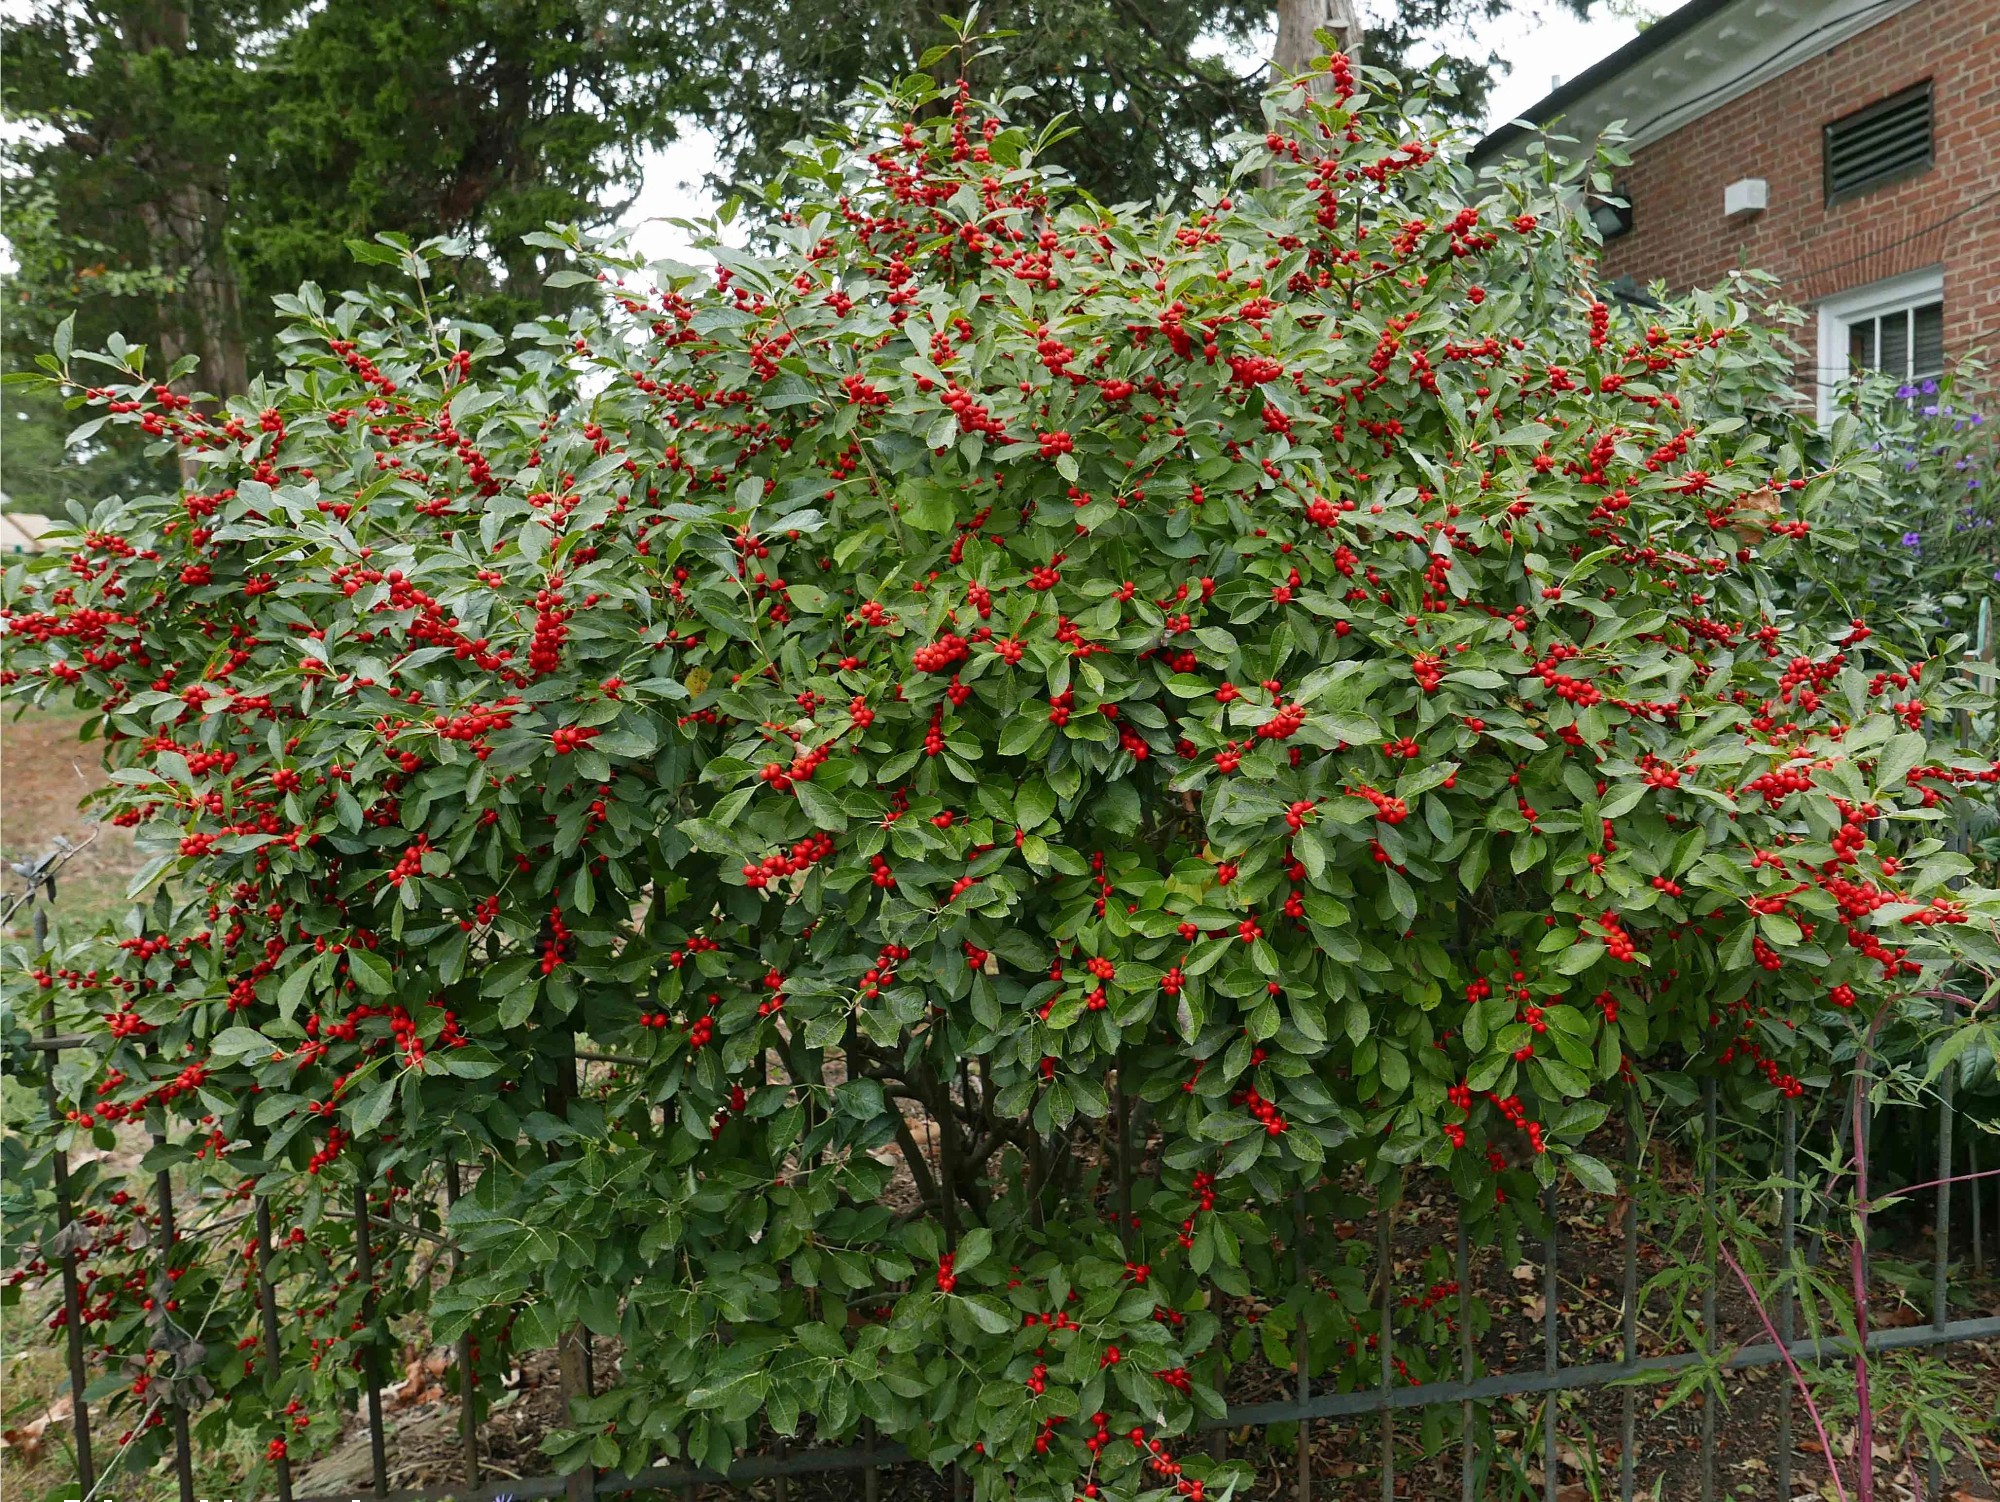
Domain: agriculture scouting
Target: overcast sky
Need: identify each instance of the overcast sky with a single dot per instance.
(1542, 51)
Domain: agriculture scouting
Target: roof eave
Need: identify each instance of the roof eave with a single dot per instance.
(1661, 34)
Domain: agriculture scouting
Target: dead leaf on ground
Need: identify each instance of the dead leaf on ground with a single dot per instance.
(27, 1439)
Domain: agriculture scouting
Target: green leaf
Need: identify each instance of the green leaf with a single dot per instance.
(293, 993)
(1899, 758)
(368, 1111)
(989, 1315)
(973, 1248)
(1581, 954)
(518, 1004)
(370, 971)
(1594, 1175)
(819, 806)
(927, 506)
(1034, 801)
(240, 1043)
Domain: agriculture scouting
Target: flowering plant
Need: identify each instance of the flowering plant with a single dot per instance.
(1916, 544)
(1033, 737)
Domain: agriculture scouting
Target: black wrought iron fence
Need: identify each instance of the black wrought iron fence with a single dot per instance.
(1311, 1402)
(1388, 1398)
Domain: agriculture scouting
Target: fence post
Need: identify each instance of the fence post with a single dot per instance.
(1973, 1194)
(41, 880)
(1303, 1344)
(1709, 1240)
(947, 1141)
(573, 1345)
(1385, 1251)
(1941, 1236)
(1788, 1231)
(468, 1386)
(1628, 1346)
(1463, 1267)
(163, 1188)
(267, 1303)
(1864, 1427)
(371, 1356)
(1551, 1357)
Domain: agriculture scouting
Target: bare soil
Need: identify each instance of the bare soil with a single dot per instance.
(45, 773)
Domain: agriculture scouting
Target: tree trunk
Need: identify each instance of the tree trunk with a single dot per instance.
(185, 228)
(1298, 20)
(1296, 46)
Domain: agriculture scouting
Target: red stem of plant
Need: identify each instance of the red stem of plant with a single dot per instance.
(1957, 1178)
(1798, 1377)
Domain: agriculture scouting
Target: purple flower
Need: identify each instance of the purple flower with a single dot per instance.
(1913, 539)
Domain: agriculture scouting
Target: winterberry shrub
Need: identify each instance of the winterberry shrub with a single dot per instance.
(1282, 696)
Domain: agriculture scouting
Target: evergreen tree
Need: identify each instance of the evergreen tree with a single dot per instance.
(1151, 87)
(195, 158)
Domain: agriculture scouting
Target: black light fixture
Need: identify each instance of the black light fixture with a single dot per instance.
(1626, 289)
(1612, 215)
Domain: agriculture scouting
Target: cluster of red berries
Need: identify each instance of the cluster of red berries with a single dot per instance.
(1388, 808)
(940, 655)
(806, 853)
(1265, 1112)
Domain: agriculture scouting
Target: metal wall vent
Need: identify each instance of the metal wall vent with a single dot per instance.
(1879, 144)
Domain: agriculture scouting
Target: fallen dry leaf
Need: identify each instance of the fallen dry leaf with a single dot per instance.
(27, 1439)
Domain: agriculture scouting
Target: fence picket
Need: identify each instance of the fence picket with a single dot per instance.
(72, 1291)
(468, 1383)
(1973, 1193)
(1628, 1342)
(1386, 1341)
(1941, 1245)
(267, 1302)
(1303, 1343)
(1551, 1353)
(1709, 1244)
(371, 1356)
(163, 1286)
(1463, 1266)
(1788, 1232)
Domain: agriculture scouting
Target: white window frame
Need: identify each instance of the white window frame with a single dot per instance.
(1836, 313)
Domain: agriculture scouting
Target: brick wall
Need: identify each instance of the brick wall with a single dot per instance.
(1937, 218)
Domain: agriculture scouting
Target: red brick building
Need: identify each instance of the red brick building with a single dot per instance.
(1852, 147)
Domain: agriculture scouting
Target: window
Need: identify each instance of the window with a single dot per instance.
(1879, 144)
(1893, 328)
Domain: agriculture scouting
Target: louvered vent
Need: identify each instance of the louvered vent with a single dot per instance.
(1886, 141)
